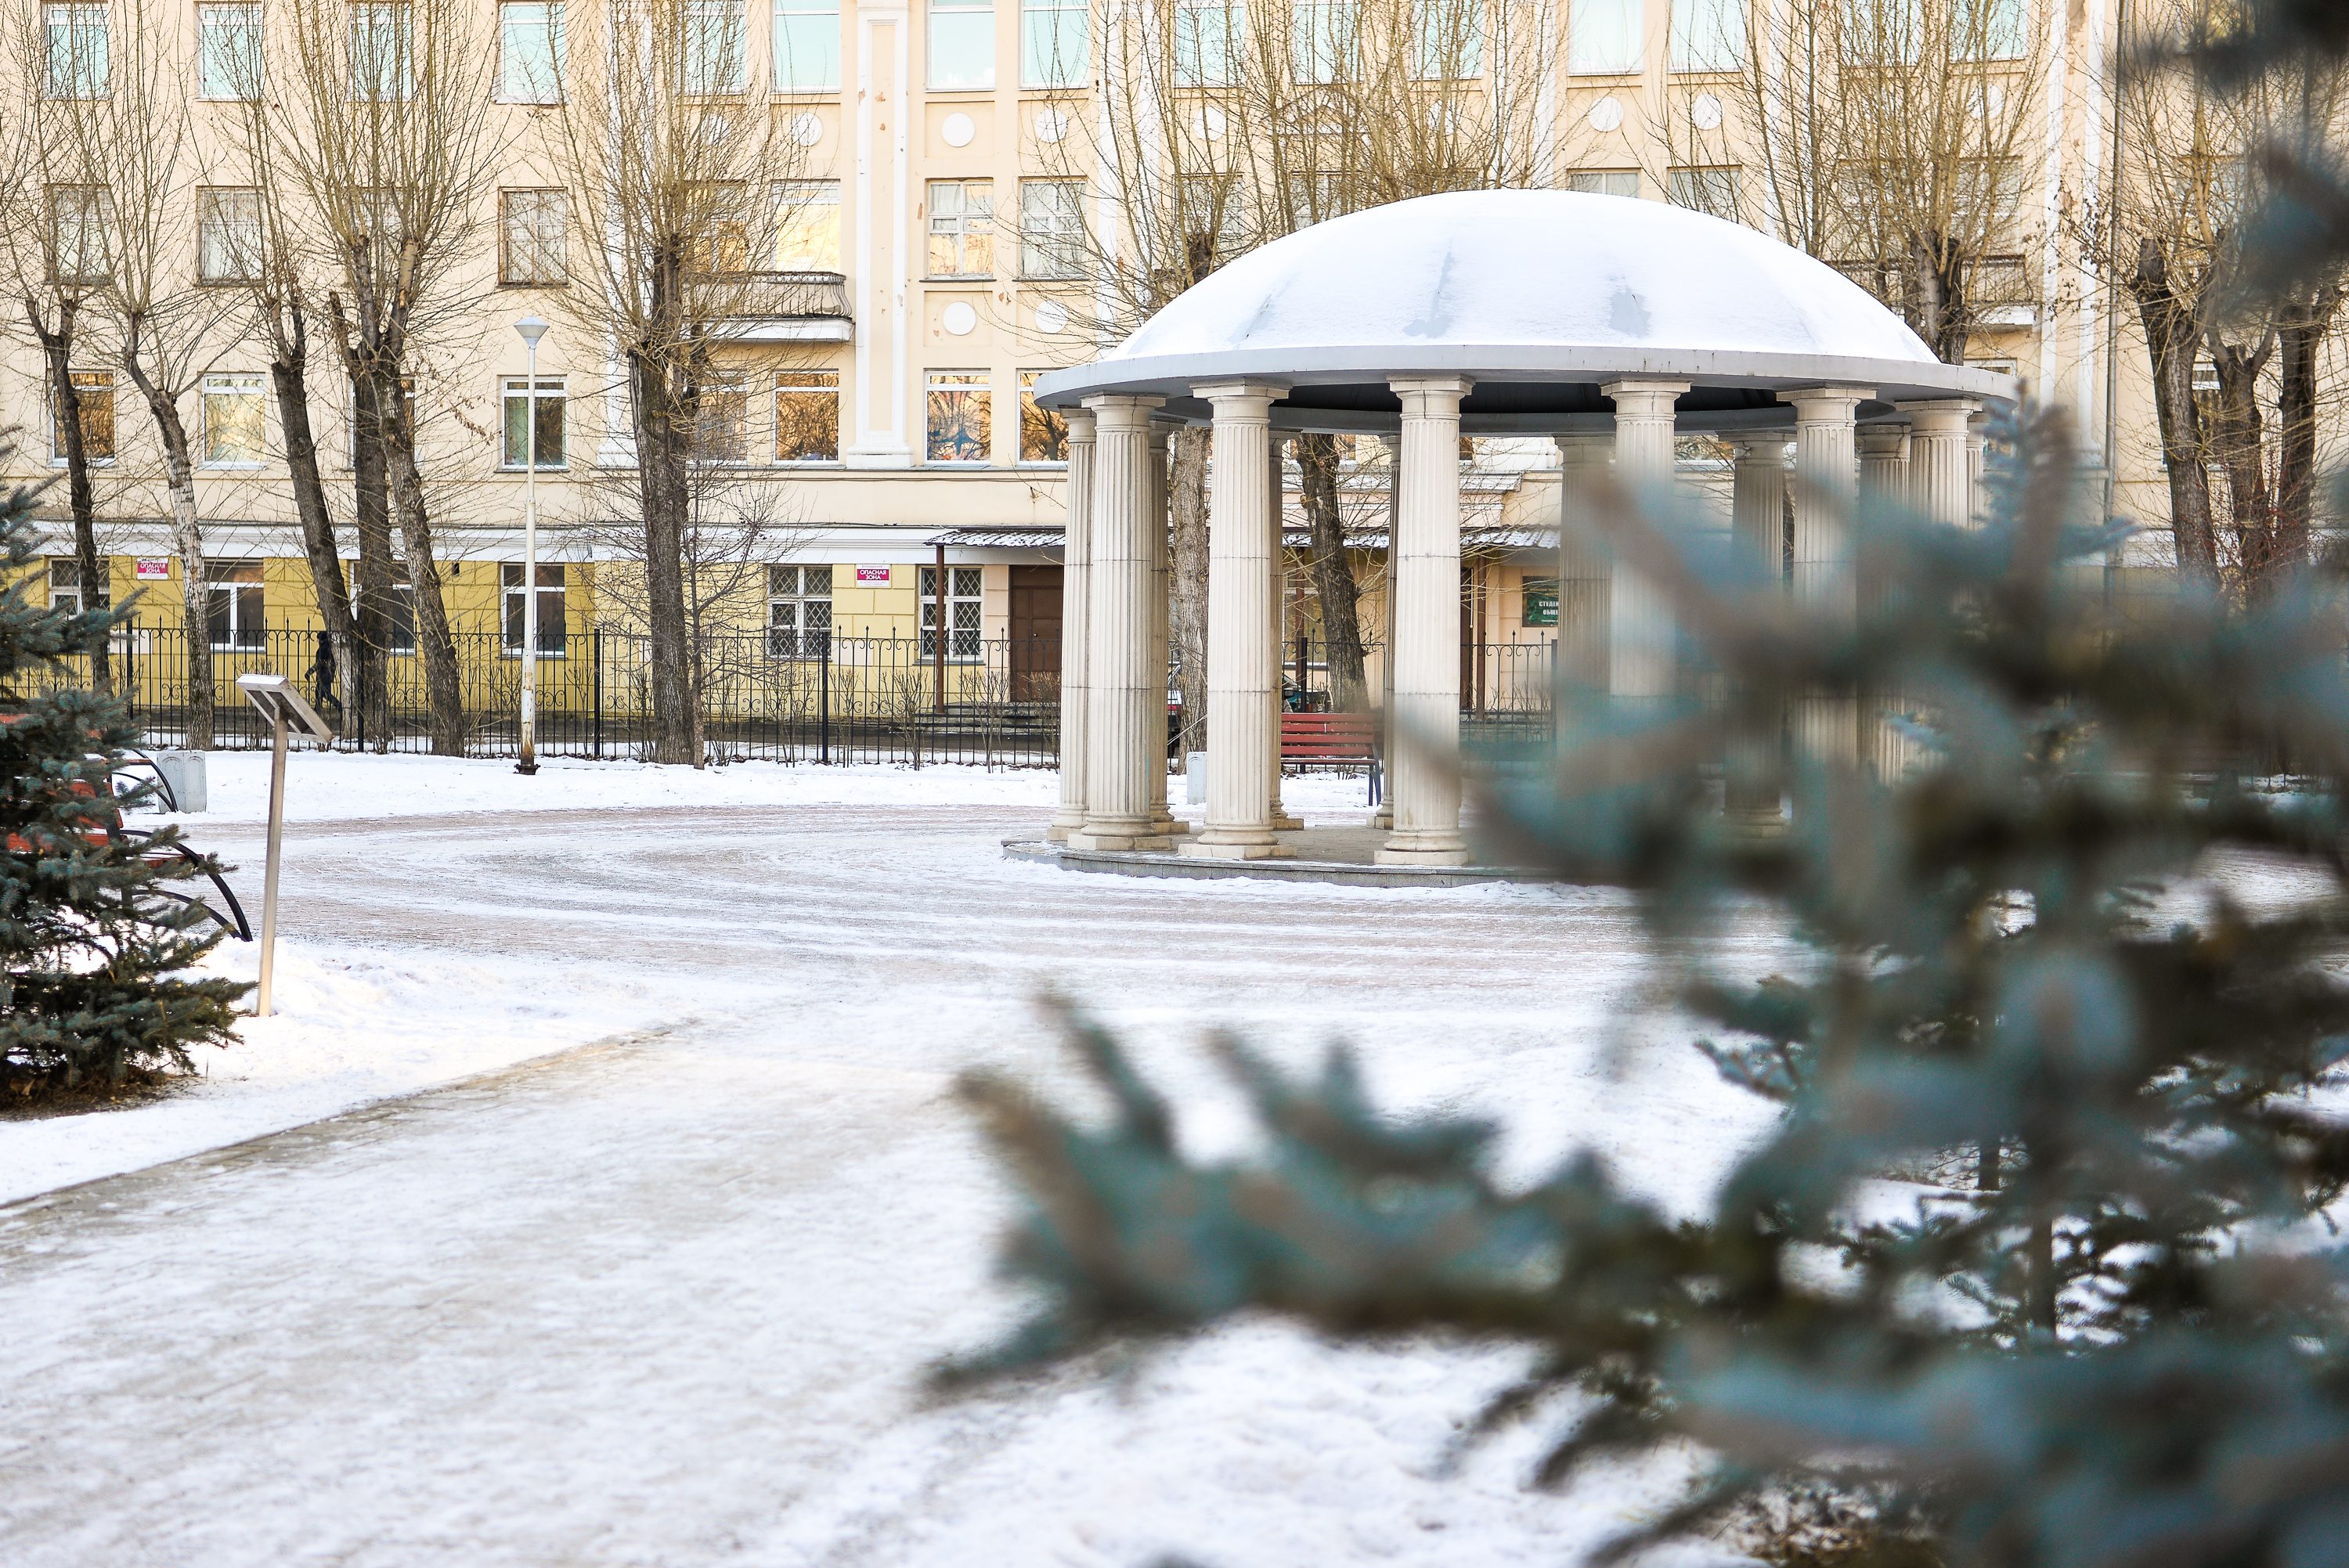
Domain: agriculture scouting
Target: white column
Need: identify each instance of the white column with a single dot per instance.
(1884, 465)
(1642, 662)
(1826, 725)
(1941, 458)
(1884, 484)
(1382, 815)
(1424, 592)
(1977, 445)
(1161, 820)
(880, 401)
(1241, 707)
(1584, 567)
(1282, 822)
(1752, 788)
(1121, 709)
(1076, 613)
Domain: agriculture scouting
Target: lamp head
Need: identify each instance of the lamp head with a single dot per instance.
(532, 329)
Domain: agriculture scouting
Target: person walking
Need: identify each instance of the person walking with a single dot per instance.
(322, 678)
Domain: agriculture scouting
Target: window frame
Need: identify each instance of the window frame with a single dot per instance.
(925, 588)
(959, 12)
(511, 608)
(220, 587)
(1064, 232)
(208, 199)
(1684, 25)
(811, 390)
(559, 201)
(207, 15)
(798, 595)
(1190, 33)
(1428, 64)
(968, 226)
(1032, 418)
(556, 36)
(938, 383)
(793, 198)
(1635, 47)
(93, 198)
(785, 83)
(513, 391)
(56, 447)
(75, 16)
(1070, 75)
(695, 16)
(403, 50)
(254, 384)
(1315, 42)
(71, 565)
(1573, 175)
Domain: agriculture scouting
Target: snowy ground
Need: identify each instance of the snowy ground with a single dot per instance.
(665, 1298)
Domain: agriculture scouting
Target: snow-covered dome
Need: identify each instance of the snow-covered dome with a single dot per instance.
(1540, 296)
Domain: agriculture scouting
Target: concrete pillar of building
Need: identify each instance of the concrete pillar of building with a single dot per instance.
(1977, 445)
(1242, 702)
(1161, 820)
(1278, 815)
(1826, 724)
(1382, 814)
(1424, 596)
(1752, 785)
(1941, 458)
(1584, 566)
(1884, 482)
(1122, 713)
(1642, 662)
(1076, 614)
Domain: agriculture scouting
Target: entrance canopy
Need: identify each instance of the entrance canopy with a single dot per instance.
(1539, 297)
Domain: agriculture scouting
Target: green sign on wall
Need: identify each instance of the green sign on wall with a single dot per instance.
(1541, 602)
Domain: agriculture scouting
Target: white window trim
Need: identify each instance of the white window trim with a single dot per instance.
(204, 433)
(507, 385)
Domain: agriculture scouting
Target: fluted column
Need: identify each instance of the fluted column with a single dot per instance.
(1643, 662)
(1977, 446)
(1584, 566)
(1277, 814)
(1382, 815)
(1424, 590)
(1752, 785)
(1076, 615)
(1884, 484)
(1161, 820)
(1826, 724)
(1121, 707)
(1940, 461)
(1241, 703)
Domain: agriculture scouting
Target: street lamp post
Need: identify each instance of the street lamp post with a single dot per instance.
(532, 330)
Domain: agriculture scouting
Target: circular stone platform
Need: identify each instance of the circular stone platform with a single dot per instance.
(1343, 855)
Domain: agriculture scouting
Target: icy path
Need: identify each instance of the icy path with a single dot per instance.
(665, 1300)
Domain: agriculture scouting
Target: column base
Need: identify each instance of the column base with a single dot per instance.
(1203, 849)
(1171, 827)
(1382, 819)
(1143, 839)
(1750, 824)
(1056, 834)
(1283, 823)
(1391, 856)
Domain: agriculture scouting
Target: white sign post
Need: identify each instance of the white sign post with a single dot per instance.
(283, 706)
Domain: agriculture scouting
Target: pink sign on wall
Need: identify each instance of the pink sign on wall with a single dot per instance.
(153, 570)
(873, 575)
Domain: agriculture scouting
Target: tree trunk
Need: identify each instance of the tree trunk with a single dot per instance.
(662, 480)
(1333, 576)
(2235, 440)
(444, 692)
(372, 511)
(2170, 334)
(187, 535)
(57, 348)
(1186, 560)
(2299, 337)
(288, 377)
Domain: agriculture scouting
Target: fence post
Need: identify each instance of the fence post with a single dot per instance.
(825, 699)
(595, 682)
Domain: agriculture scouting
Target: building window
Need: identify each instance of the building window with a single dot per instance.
(962, 44)
(1708, 34)
(798, 612)
(228, 52)
(228, 236)
(550, 402)
(233, 603)
(721, 423)
(1605, 181)
(1209, 204)
(715, 51)
(1992, 30)
(94, 396)
(963, 610)
(1203, 42)
(397, 628)
(529, 51)
(233, 420)
(531, 228)
(1321, 44)
(1604, 37)
(77, 66)
(1449, 40)
(807, 45)
(962, 228)
(807, 415)
(383, 65)
(1713, 192)
(81, 231)
(1051, 229)
(1314, 198)
(960, 412)
(1043, 434)
(65, 586)
(1052, 43)
(807, 225)
(552, 630)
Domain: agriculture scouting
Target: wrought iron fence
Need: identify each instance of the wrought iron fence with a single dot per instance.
(796, 698)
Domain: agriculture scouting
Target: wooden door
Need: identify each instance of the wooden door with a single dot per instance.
(1035, 634)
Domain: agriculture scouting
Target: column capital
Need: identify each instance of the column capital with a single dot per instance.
(1882, 440)
(1829, 405)
(1159, 433)
(1637, 398)
(1768, 451)
(1940, 415)
(1080, 426)
(1220, 393)
(1584, 451)
(1119, 411)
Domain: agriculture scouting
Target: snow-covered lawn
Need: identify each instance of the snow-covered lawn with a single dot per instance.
(666, 1299)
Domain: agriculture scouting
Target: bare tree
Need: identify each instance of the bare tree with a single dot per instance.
(679, 185)
(381, 124)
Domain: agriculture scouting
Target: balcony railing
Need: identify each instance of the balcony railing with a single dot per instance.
(775, 306)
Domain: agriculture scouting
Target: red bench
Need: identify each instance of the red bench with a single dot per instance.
(1329, 739)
